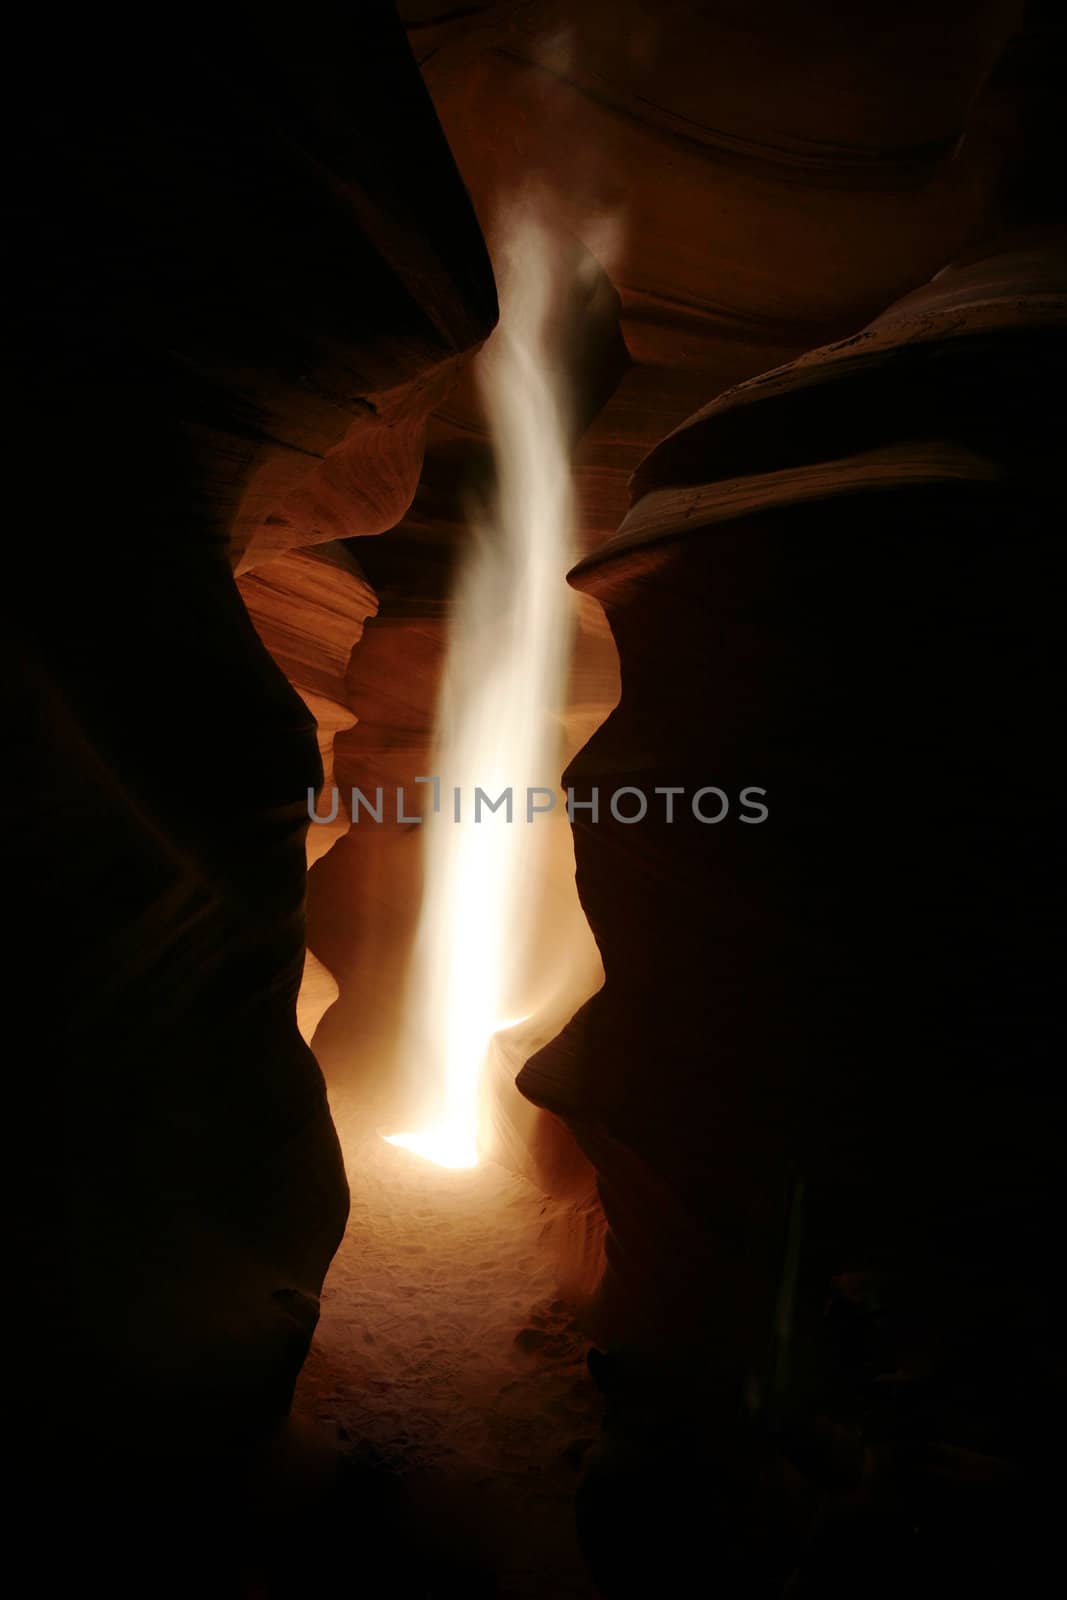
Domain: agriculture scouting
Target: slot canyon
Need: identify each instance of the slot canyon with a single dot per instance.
(533, 616)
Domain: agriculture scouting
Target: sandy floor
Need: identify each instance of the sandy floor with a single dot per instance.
(444, 1353)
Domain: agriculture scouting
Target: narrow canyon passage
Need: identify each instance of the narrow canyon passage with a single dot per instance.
(731, 539)
(445, 1350)
(445, 1355)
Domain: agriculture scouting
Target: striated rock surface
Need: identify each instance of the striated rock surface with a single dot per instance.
(309, 607)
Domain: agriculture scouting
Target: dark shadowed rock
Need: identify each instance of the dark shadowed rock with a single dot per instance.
(246, 268)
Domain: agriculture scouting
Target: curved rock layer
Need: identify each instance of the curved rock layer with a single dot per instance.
(308, 608)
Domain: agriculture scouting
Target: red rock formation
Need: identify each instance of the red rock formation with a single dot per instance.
(309, 607)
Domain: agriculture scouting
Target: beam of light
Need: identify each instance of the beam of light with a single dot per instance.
(448, 1147)
(498, 720)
